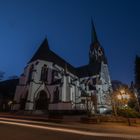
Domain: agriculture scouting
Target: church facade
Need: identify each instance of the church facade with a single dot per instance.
(50, 84)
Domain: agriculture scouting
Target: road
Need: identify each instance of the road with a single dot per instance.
(21, 130)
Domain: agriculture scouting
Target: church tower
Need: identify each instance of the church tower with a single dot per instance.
(98, 63)
(96, 52)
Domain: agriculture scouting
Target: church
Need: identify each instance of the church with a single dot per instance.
(51, 84)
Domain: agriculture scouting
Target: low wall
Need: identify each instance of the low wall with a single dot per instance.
(111, 119)
(118, 119)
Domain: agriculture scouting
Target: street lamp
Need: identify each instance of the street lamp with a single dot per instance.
(123, 97)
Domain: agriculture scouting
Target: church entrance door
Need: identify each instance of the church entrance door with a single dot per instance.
(42, 101)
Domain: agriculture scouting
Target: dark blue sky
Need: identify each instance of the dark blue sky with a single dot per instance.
(66, 23)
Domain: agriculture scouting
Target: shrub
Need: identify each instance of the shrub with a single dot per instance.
(128, 112)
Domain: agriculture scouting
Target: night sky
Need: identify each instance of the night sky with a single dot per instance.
(67, 24)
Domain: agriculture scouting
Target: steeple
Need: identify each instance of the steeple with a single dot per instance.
(96, 52)
(94, 38)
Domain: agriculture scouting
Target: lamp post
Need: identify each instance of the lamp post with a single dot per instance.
(124, 97)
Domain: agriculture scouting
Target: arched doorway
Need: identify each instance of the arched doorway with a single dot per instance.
(42, 101)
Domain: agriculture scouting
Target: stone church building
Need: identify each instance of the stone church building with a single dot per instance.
(50, 84)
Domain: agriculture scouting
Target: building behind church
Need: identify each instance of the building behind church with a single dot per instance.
(50, 84)
(7, 92)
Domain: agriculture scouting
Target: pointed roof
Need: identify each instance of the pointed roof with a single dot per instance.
(46, 54)
(94, 38)
(41, 53)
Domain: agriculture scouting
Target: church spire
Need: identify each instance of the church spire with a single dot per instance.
(96, 52)
(94, 38)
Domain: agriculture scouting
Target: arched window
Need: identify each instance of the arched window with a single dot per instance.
(55, 77)
(56, 95)
(30, 76)
(44, 73)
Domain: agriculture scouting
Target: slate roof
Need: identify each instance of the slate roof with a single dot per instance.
(82, 71)
(88, 70)
(44, 53)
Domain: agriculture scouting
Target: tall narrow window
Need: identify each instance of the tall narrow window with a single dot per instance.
(44, 73)
(30, 76)
(56, 79)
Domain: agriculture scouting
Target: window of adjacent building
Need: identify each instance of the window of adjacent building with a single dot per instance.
(44, 73)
